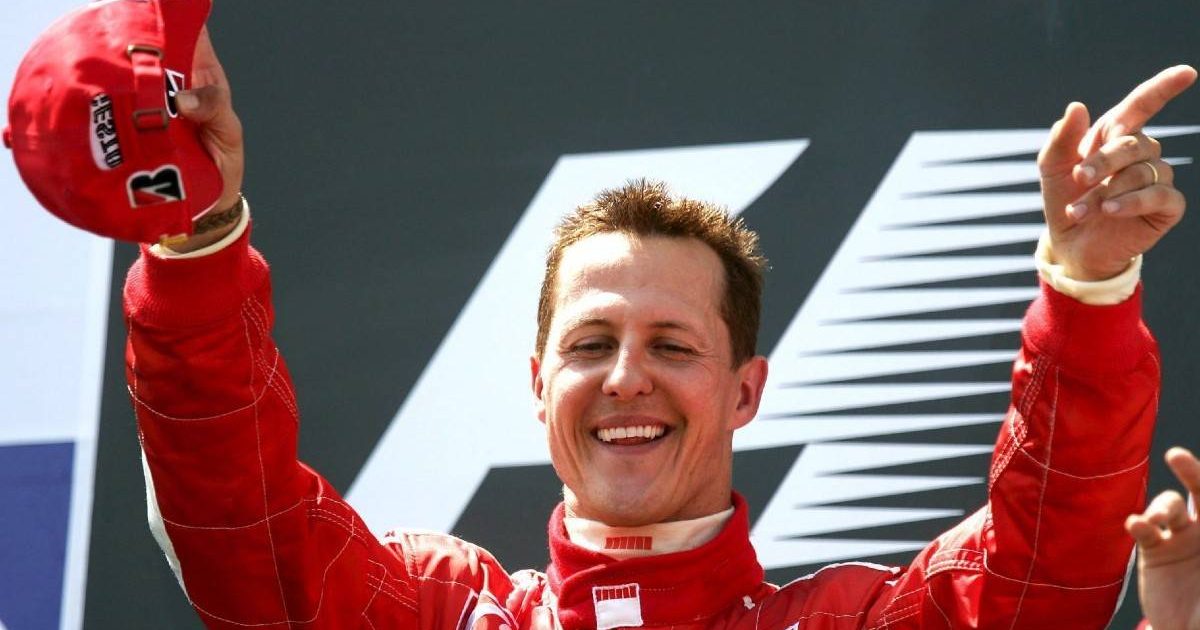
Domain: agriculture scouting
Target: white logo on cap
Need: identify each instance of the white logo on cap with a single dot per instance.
(106, 150)
(176, 82)
(162, 185)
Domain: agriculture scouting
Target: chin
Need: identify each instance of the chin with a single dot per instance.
(621, 508)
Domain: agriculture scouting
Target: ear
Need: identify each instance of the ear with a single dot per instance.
(535, 372)
(752, 378)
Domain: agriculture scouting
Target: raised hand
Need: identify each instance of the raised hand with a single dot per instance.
(209, 104)
(1168, 539)
(1108, 195)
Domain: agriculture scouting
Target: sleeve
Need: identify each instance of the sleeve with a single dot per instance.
(1049, 549)
(254, 537)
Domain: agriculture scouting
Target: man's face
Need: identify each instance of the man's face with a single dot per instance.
(636, 385)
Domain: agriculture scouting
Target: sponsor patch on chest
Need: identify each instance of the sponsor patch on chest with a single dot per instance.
(617, 606)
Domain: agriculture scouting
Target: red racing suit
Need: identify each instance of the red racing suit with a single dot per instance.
(259, 540)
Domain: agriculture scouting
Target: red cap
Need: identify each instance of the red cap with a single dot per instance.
(93, 125)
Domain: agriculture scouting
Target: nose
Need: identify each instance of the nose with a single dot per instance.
(627, 378)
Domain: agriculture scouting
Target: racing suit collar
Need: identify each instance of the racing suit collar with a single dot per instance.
(672, 588)
(646, 540)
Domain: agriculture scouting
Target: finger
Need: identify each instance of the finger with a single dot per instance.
(1094, 137)
(211, 108)
(1115, 155)
(1168, 511)
(1186, 468)
(1055, 161)
(1142, 174)
(1059, 154)
(1144, 533)
(1133, 177)
(1148, 98)
(1162, 202)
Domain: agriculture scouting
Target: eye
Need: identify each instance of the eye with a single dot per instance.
(590, 348)
(672, 348)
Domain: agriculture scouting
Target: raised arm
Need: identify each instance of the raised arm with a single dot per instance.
(1071, 459)
(255, 538)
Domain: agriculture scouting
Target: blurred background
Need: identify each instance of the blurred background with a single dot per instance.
(405, 164)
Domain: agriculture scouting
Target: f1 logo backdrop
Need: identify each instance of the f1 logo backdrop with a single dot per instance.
(404, 196)
(909, 332)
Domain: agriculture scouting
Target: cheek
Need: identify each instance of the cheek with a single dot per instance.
(699, 389)
(566, 403)
(709, 403)
(566, 395)
(573, 380)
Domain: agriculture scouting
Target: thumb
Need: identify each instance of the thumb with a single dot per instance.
(211, 108)
(1056, 161)
(1061, 152)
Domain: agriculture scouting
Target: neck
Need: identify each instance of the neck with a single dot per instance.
(645, 540)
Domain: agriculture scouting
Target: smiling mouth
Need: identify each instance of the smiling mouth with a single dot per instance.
(629, 436)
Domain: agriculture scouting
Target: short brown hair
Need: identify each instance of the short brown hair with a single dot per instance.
(646, 208)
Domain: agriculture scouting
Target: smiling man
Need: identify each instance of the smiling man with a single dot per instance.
(645, 365)
(645, 360)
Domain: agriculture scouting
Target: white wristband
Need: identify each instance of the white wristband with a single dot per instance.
(244, 220)
(1114, 290)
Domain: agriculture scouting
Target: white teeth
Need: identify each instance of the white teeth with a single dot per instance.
(620, 433)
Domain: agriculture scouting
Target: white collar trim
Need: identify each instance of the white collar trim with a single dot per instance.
(647, 540)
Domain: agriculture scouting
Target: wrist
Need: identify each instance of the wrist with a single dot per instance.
(212, 227)
(1112, 288)
(1093, 274)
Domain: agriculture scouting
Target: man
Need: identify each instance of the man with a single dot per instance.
(644, 367)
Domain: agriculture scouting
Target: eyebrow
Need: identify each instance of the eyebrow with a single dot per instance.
(600, 321)
(672, 325)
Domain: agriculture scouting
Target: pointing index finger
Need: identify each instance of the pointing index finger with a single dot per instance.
(1147, 99)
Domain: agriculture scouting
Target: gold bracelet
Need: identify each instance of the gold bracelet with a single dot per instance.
(214, 220)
